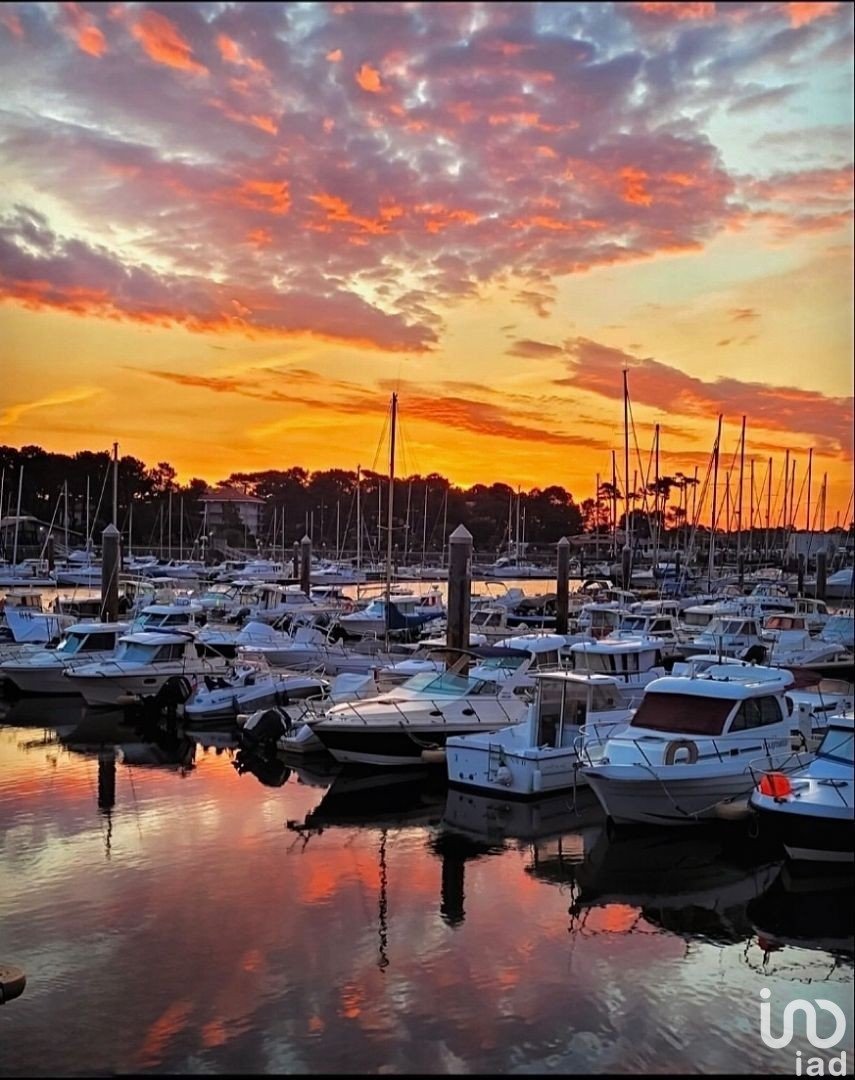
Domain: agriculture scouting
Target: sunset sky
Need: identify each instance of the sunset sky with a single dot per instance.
(229, 231)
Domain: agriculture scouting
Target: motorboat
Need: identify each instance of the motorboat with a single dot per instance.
(141, 666)
(513, 566)
(41, 672)
(407, 611)
(636, 624)
(789, 643)
(248, 685)
(729, 635)
(410, 724)
(24, 623)
(634, 662)
(695, 742)
(224, 600)
(810, 810)
(180, 613)
(839, 585)
(495, 622)
(539, 756)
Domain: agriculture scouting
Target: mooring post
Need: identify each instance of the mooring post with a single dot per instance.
(562, 603)
(296, 560)
(800, 576)
(626, 566)
(49, 554)
(306, 564)
(821, 574)
(110, 574)
(459, 585)
(740, 571)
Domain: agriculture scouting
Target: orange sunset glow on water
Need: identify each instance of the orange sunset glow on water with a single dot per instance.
(229, 232)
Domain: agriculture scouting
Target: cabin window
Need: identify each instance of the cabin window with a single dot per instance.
(98, 642)
(756, 712)
(661, 626)
(838, 744)
(546, 659)
(174, 651)
(682, 713)
(603, 698)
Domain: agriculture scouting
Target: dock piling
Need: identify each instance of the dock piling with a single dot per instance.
(459, 585)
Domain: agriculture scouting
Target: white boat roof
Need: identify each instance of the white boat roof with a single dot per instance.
(587, 677)
(618, 645)
(172, 608)
(535, 643)
(156, 637)
(94, 627)
(736, 684)
(845, 720)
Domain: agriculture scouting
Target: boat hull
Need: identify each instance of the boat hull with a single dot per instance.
(390, 745)
(629, 797)
(527, 773)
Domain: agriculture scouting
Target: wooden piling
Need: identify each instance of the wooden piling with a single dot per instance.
(821, 575)
(800, 576)
(306, 564)
(626, 567)
(49, 554)
(110, 574)
(562, 603)
(296, 560)
(459, 586)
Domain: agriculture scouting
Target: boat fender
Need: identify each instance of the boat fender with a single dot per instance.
(434, 757)
(675, 747)
(503, 776)
(733, 810)
(12, 982)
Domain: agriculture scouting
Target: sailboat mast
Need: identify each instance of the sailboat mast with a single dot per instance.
(807, 508)
(714, 503)
(358, 517)
(116, 484)
(424, 528)
(18, 518)
(626, 459)
(614, 505)
(390, 507)
(740, 496)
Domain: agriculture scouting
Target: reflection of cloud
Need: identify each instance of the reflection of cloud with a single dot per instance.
(13, 413)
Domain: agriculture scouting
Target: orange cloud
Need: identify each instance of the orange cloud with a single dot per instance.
(334, 56)
(271, 196)
(801, 13)
(163, 43)
(633, 187)
(84, 30)
(259, 237)
(693, 9)
(229, 49)
(369, 79)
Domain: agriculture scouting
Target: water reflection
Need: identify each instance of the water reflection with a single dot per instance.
(302, 918)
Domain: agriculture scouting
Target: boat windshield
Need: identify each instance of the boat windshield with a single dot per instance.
(838, 744)
(634, 623)
(69, 645)
(449, 682)
(840, 629)
(684, 714)
(135, 652)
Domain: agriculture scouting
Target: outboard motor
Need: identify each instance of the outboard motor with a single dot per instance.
(265, 726)
(754, 654)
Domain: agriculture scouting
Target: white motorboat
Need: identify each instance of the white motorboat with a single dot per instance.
(810, 810)
(41, 672)
(693, 743)
(638, 624)
(634, 662)
(181, 613)
(513, 566)
(814, 705)
(729, 635)
(539, 756)
(839, 585)
(142, 664)
(789, 642)
(407, 611)
(24, 623)
(410, 724)
(248, 685)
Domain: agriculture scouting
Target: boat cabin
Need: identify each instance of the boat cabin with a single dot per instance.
(566, 700)
(82, 638)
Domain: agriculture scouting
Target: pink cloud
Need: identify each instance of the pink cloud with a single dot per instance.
(599, 368)
(163, 43)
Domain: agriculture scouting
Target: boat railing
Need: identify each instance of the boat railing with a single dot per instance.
(700, 749)
(436, 715)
